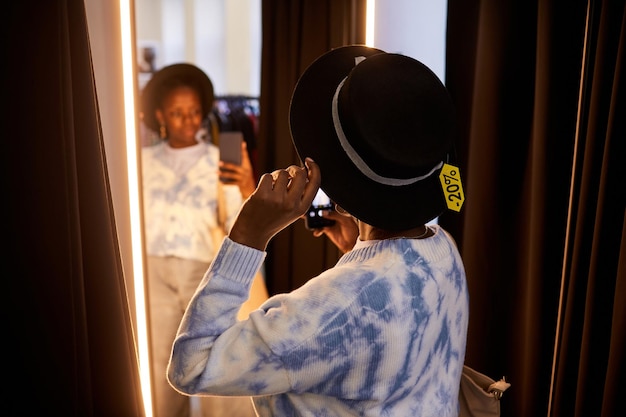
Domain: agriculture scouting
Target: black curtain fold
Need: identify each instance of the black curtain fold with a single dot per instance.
(538, 90)
(295, 33)
(69, 312)
(592, 328)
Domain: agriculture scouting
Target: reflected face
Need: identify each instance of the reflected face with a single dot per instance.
(181, 114)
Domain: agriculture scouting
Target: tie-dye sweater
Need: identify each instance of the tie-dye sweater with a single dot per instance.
(382, 333)
(180, 196)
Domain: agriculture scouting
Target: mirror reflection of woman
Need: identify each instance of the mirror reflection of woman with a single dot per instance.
(184, 182)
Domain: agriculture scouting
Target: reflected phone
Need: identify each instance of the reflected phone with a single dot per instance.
(314, 219)
(230, 147)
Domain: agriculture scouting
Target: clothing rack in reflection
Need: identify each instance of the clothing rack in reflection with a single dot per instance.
(239, 113)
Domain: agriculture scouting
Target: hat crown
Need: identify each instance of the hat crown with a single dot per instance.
(380, 126)
(396, 115)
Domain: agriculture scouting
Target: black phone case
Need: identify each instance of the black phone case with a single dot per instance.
(315, 221)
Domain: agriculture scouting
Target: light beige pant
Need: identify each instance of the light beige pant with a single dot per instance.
(171, 284)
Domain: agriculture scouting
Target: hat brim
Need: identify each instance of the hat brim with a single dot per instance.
(153, 90)
(313, 135)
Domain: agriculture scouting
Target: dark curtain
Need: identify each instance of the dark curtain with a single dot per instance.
(541, 149)
(294, 34)
(69, 346)
(539, 89)
(591, 336)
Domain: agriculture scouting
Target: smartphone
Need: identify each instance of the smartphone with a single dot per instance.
(230, 147)
(314, 219)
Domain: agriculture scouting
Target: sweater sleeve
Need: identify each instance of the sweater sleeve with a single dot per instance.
(211, 343)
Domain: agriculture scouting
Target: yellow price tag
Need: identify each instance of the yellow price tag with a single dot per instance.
(452, 187)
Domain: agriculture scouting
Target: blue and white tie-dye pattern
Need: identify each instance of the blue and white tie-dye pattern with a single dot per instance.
(382, 333)
(181, 207)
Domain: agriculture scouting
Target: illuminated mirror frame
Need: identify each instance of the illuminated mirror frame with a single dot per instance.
(127, 25)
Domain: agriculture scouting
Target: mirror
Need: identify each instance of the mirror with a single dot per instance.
(222, 38)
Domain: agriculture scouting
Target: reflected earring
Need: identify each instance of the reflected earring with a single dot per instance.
(163, 132)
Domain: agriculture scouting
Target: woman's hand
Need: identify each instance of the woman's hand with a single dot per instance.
(343, 233)
(240, 175)
(281, 198)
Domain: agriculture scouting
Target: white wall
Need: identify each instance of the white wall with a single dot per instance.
(223, 37)
(416, 28)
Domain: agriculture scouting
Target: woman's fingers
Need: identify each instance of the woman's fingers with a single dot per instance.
(279, 199)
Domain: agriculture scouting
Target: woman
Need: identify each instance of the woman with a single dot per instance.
(185, 187)
(383, 332)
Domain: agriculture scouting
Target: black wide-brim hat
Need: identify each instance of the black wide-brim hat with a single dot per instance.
(170, 77)
(381, 152)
